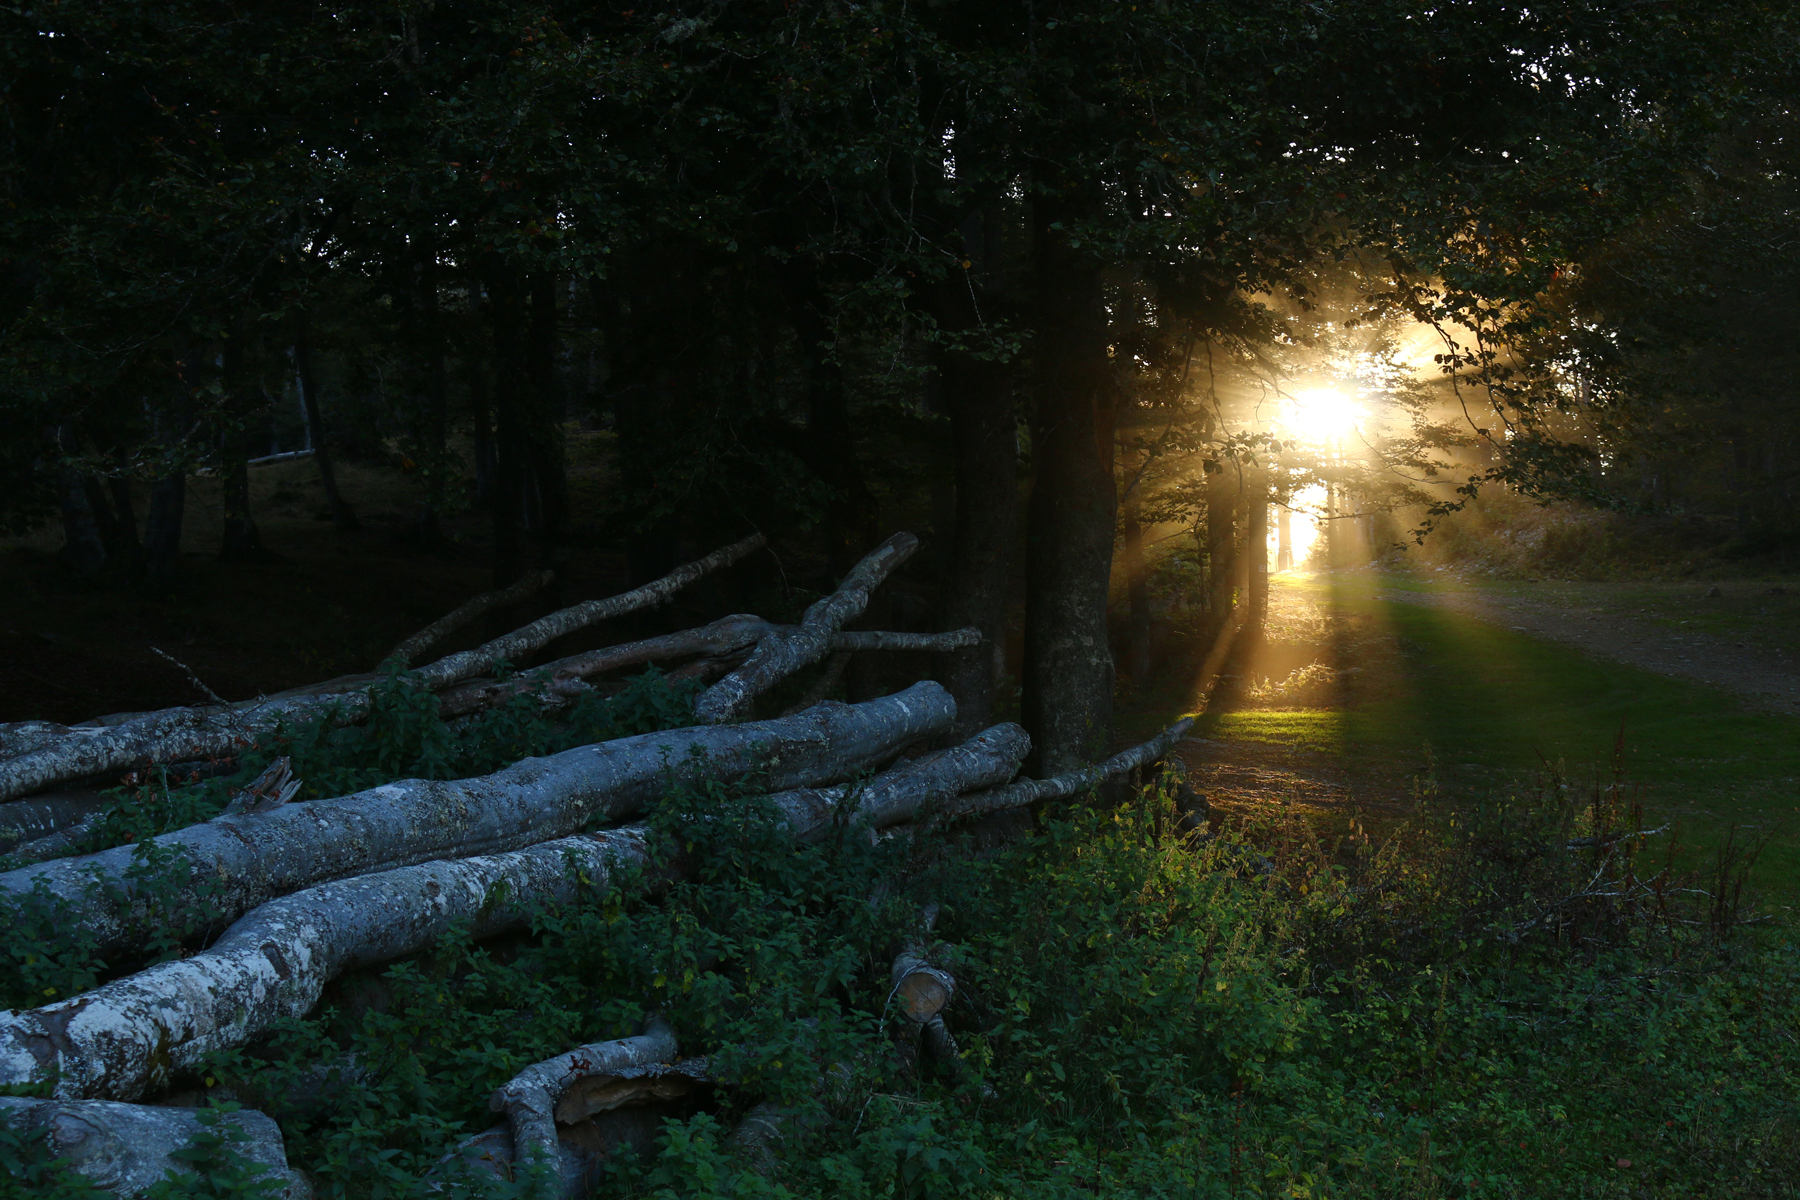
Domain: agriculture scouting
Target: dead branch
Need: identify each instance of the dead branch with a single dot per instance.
(189, 733)
(258, 856)
(779, 655)
(515, 645)
(723, 637)
(486, 602)
(126, 1148)
(1031, 791)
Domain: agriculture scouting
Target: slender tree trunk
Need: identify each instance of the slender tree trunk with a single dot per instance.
(129, 551)
(341, 514)
(1284, 537)
(1221, 547)
(162, 530)
(436, 423)
(850, 523)
(1256, 549)
(1137, 588)
(511, 468)
(241, 540)
(549, 481)
(1068, 677)
(984, 441)
(84, 550)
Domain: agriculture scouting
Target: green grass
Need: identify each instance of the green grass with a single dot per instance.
(1489, 701)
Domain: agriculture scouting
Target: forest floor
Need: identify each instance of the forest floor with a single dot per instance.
(1379, 692)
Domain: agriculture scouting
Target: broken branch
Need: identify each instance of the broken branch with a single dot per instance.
(781, 653)
(486, 602)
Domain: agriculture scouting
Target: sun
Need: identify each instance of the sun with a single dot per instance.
(1323, 414)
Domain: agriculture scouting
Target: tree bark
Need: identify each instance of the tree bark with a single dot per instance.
(258, 856)
(127, 1148)
(780, 655)
(126, 1038)
(1068, 682)
(162, 529)
(178, 734)
(341, 514)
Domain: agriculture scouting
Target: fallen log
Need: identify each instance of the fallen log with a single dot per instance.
(1031, 791)
(187, 733)
(257, 856)
(917, 786)
(780, 654)
(133, 1036)
(467, 611)
(23, 821)
(126, 1038)
(126, 1148)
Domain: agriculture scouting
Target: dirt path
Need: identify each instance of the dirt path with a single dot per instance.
(1765, 677)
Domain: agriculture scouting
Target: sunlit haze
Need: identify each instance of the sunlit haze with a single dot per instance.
(1319, 415)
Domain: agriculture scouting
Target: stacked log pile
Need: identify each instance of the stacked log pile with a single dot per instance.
(315, 889)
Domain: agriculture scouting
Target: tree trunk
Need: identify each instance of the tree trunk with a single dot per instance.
(1137, 589)
(1256, 549)
(511, 426)
(549, 487)
(1284, 536)
(84, 550)
(1068, 682)
(1221, 548)
(850, 521)
(162, 529)
(341, 514)
(258, 856)
(985, 445)
(435, 423)
(128, 551)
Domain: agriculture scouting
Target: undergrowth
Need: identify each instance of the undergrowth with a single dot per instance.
(1451, 1011)
(1521, 1001)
